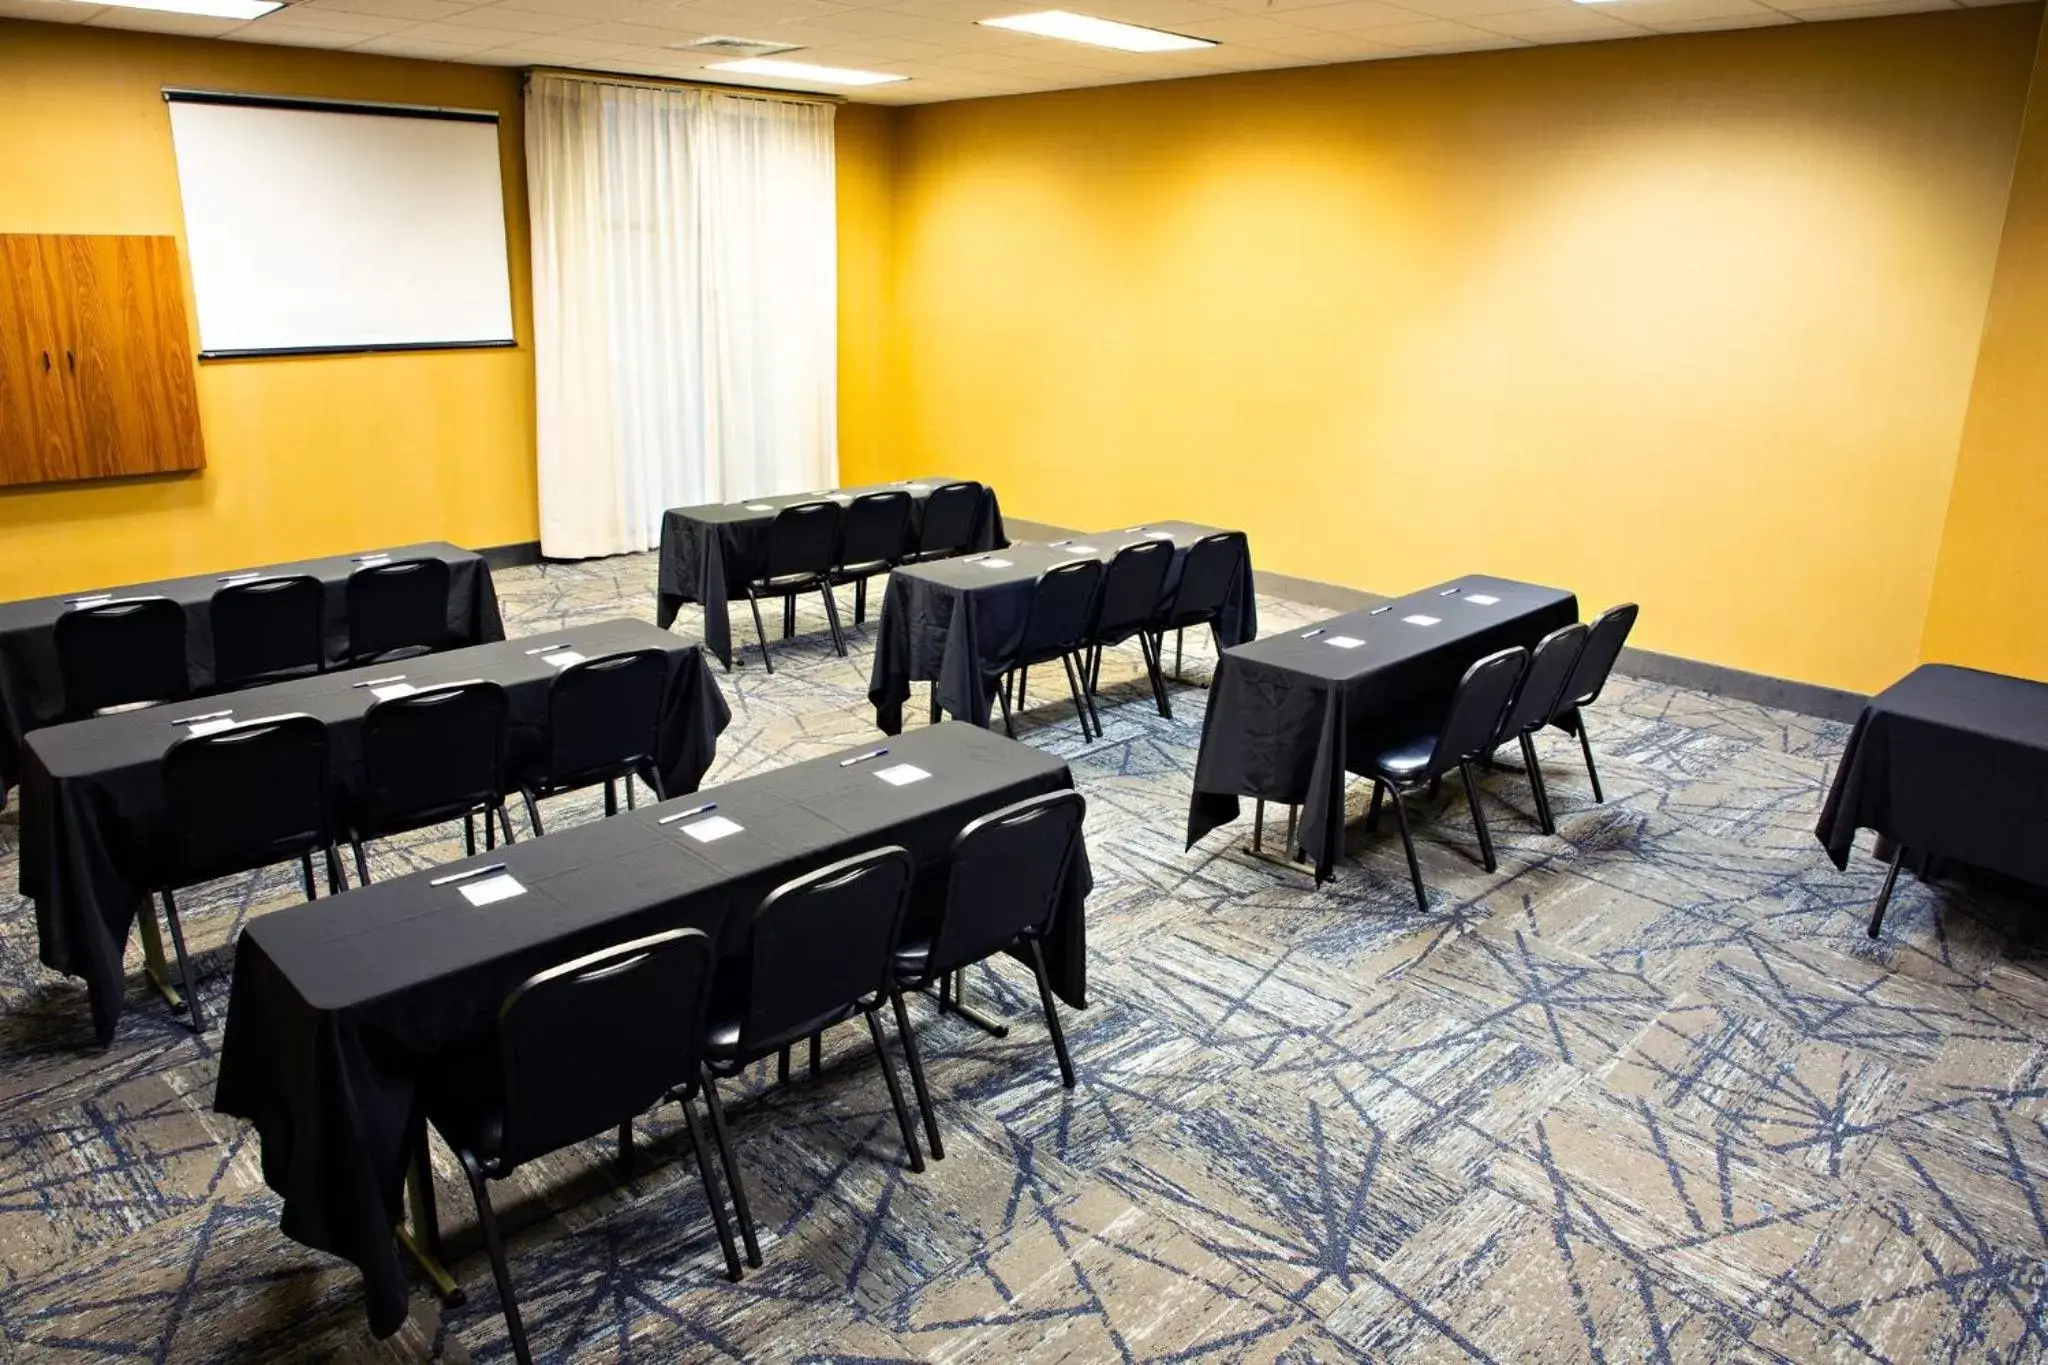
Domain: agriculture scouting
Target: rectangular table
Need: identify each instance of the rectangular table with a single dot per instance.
(1947, 762)
(342, 1009)
(1292, 714)
(32, 688)
(710, 553)
(949, 621)
(95, 822)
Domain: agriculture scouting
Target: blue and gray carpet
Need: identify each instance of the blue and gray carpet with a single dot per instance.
(1647, 1094)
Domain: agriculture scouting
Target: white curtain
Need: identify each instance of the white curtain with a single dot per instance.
(685, 304)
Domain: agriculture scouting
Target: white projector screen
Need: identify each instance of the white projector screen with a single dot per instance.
(315, 227)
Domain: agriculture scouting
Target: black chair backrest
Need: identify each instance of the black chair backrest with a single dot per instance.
(266, 626)
(594, 1043)
(952, 511)
(1550, 668)
(247, 797)
(604, 716)
(1132, 588)
(402, 604)
(876, 530)
(431, 756)
(822, 942)
(1473, 721)
(802, 540)
(1062, 610)
(1603, 646)
(114, 653)
(1009, 868)
(1207, 576)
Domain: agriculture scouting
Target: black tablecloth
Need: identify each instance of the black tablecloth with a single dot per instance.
(342, 1008)
(32, 689)
(947, 622)
(708, 554)
(94, 822)
(1948, 763)
(1291, 714)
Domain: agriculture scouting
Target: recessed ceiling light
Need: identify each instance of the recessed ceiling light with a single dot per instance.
(207, 9)
(1082, 28)
(804, 71)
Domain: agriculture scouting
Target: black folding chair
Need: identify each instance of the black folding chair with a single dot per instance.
(604, 725)
(582, 1049)
(1132, 590)
(239, 799)
(1009, 871)
(396, 609)
(1468, 732)
(1604, 640)
(436, 755)
(873, 540)
(1207, 575)
(1536, 701)
(268, 629)
(952, 514)
(121, 652)
(819, 950)
(803, 542)
(1055, 627)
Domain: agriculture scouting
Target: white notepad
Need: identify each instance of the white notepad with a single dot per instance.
(993, 563)
(1159, 535)
(562, 658)
(1080, 549)
(902, 775)
(211, 727)
(1480, 599)
(711, 829)
(1345, 642)
(1422, 620)
(488, 890)
(390, 690)
(759, 507)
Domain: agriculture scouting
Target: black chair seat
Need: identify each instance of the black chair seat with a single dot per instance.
(911, 959)
(1408, 760)
(722, 1039)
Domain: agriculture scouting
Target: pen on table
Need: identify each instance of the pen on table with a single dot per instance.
(1313, 633)
(546, 649)
(379, 682)
(705, 809)
(210, 715)
(1381, 611)
(862, 758)
(465, 876)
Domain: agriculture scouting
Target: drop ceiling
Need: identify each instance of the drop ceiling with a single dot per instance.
(938, 45)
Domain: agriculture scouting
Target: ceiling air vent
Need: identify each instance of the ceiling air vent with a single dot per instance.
(722, 45)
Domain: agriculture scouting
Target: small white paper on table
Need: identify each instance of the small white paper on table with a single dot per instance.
(993, 563)
(1345, 642)
(562, 658)
(92, 601)
(374, 559)
(915, 487)
(1159, 535)
(902, 775)
(711, 829)
(1423, 620)
(1480, 599)
(243, 577)
(759, 507)
(489, 890)
(1080, 549)
(392, 690)
(212, 727)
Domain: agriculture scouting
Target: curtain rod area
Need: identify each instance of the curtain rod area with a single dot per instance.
(745, 92)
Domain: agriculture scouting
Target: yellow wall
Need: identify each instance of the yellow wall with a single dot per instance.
(1987, 609)
(864, 136)
(1689, 320)
(304, 456)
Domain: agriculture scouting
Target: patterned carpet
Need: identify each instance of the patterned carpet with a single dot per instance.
(1647, 1094)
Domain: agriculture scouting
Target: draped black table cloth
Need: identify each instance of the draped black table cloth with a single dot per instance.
(1948, 763)
(345, 1010)
(95, 825)
(708, 554)
(1290, 715)
(32, 689)
(949, 621)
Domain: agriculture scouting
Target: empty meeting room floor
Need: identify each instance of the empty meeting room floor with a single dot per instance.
(1647, 1093)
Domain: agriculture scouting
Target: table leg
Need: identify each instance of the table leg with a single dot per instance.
(421, 1240)
(981, 1021)
(1285, 857)
(153, 958)
(1884, 896)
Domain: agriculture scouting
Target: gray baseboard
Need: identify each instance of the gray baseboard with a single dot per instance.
(512, 556)
(1806, 699)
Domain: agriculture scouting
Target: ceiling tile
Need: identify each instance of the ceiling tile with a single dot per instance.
(1572, 21)
(419, 11)
(1249, 29)
(1656, 13)
(152, 21)
(1474, 10)
(296, 17)
(505, 19)
(1427, 33)
(1332, 47)
(51, 11)
(1352, 16)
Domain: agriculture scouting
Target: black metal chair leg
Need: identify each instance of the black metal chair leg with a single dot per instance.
(1372, 816)
(611, 798)
(760, 631)
(712, 1195)
(1408, 844)
(1478, 817)
(1023, 676)
(1586, 747)
(654, 784)
(504, 819)
(469, 833)
(306, 871)
(1088, 699)
(627, 783)
(924, 1096)
(362, 864)
(1436, 786)
(495, 1246)
(832, 620)
(1154, 676)
(490, 830)
(195, 1013)
(1545, 821)
(817, 1058)
(1179, 637)
(533, 814)
(874, 1018)
(626, 1150)
(860, 600)
(788, 615)
(1074, 688)
(732, 1170)
(1003, 695)
(337, 880)
(936, 711)
(1884, 896)
(782, 1066)
(1052, 1015)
